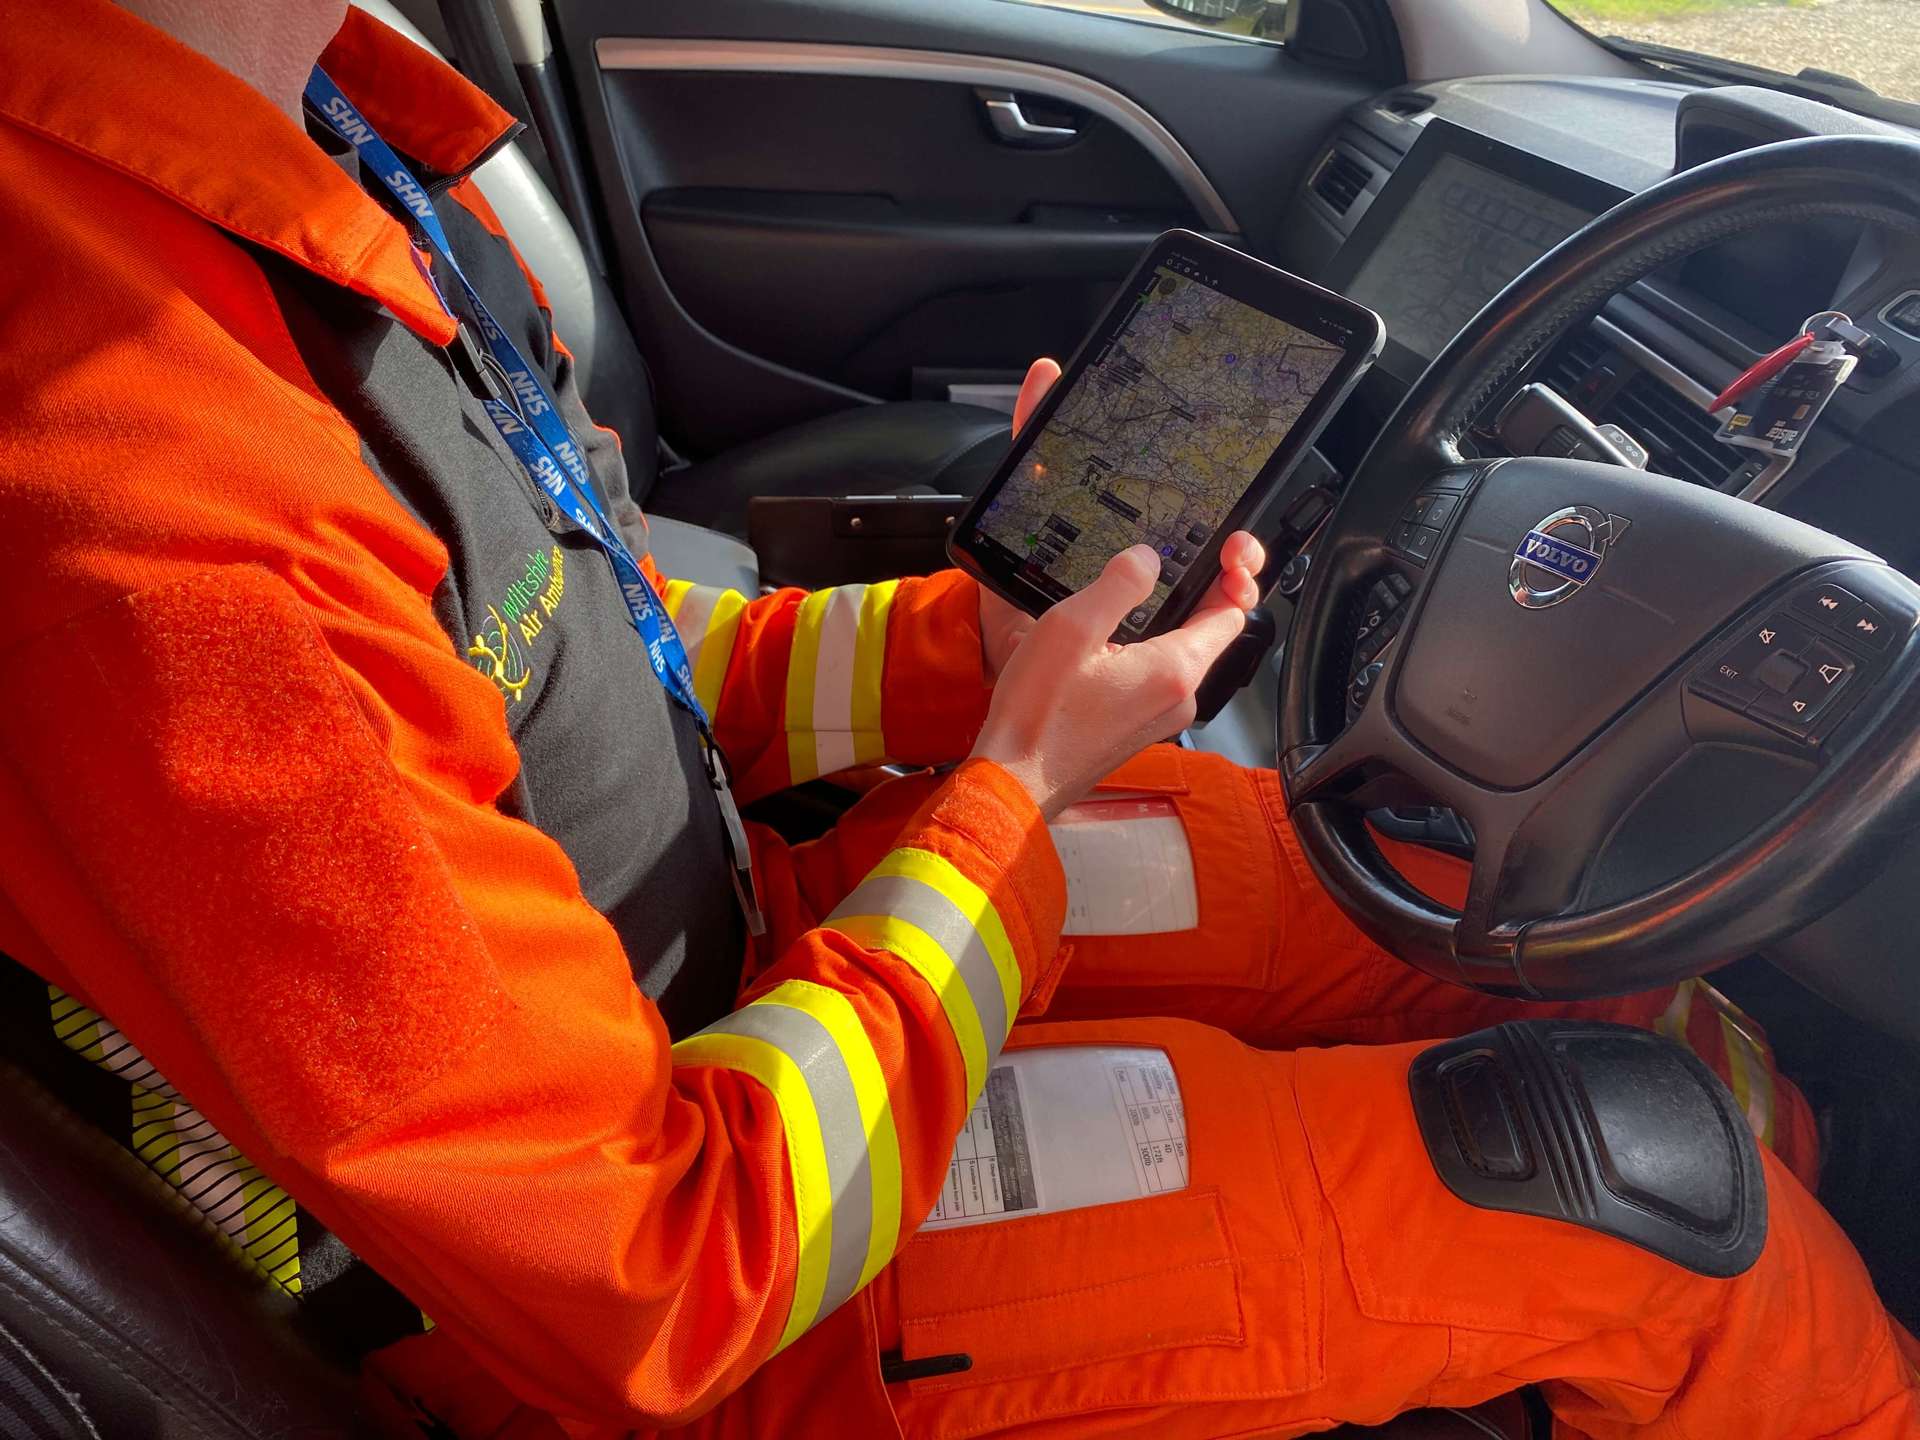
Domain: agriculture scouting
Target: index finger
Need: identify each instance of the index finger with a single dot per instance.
(1200, 641)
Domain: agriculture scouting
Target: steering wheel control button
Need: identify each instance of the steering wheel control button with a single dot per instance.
(1869, 627)
(1828, 666)
(1417, 507)
(1378, 640)
(1762, 657)
(1779, 673)
(1727, 683)
(1362, 685)
(1381, 613)
(1818, 675)
(1423, 542)
(1829, 604)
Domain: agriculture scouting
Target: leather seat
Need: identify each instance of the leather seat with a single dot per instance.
(123, 1314)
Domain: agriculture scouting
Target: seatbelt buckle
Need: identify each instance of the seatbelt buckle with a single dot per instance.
(741, 868)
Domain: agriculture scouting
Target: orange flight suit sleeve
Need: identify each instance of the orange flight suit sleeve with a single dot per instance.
(301, 904)
(803, 684)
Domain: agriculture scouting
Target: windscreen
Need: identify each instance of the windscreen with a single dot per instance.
(1870, 42)
(1462, 236)
(1163, 434)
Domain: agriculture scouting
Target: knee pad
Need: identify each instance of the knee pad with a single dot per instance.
(1606, 1126)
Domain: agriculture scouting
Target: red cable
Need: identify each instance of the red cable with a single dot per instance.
(1760, 372)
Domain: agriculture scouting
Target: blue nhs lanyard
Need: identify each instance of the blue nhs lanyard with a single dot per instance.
(529, 422)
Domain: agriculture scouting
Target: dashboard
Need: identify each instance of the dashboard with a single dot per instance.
(1426, 200)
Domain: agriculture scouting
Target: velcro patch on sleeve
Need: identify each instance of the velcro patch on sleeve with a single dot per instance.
(279, 903)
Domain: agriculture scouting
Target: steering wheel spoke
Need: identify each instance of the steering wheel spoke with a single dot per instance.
(1312, 773)
(1535, 849)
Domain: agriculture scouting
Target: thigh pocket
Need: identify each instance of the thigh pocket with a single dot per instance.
(1173, 878)
(1072, 1288)
(1201, 1290)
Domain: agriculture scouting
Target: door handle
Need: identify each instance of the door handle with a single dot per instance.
(1012, 127)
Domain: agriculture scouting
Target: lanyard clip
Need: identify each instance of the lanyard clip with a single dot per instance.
(742, 852)
(472, 362)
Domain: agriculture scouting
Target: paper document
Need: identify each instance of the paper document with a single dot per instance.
(1066, 1126)
(1129, 867)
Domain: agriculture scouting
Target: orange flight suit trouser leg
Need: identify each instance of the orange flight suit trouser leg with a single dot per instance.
(1315, 1269)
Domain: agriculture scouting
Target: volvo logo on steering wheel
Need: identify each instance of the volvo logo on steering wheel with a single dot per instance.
(1561, 554)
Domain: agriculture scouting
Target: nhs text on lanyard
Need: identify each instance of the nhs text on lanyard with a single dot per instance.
(530, 423)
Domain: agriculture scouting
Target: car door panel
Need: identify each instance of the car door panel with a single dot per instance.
(808, 202)
(863, 302)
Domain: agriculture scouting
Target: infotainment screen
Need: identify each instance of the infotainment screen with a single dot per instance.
(1463, 215)
(1462, 236)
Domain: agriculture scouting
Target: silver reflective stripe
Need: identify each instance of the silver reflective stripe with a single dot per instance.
(920, 904)
(805, 1041)
(834, 677)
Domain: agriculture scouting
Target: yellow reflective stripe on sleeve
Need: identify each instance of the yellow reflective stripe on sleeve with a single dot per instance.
(671, 597)
(803, 664)
(1752, 1078)
(1749, 1069)
(708, 619)
(1673, 1020)
(715, 651)
(836, 1015)
(806, 1157)
(869, 672)
(939, 969)
(834, 677)
(971, 901)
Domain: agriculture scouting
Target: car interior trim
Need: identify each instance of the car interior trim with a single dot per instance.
(1652, 361)
(790, 58)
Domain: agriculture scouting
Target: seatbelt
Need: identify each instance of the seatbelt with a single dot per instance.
(528, 418)
(92, 1070)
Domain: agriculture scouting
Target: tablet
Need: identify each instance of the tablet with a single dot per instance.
(1205, 381)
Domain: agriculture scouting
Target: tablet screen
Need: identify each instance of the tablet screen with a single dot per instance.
(1168, 427)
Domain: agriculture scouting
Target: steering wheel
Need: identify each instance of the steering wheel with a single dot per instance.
(1573, 632)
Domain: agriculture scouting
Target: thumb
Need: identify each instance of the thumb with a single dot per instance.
(1040, 377)
(1126, 581)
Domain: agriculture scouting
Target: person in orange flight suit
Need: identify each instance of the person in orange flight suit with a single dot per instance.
(342, 816)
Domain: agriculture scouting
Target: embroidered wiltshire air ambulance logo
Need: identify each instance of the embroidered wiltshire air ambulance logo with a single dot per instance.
(503, 649)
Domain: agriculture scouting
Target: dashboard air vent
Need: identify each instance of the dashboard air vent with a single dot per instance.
(1570, 362)
(1341, 179)
(1678, 433)
(1407, 105)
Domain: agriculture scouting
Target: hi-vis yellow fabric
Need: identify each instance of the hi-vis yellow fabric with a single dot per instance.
(806, 1043)
(183, 1148)
(802, 685)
